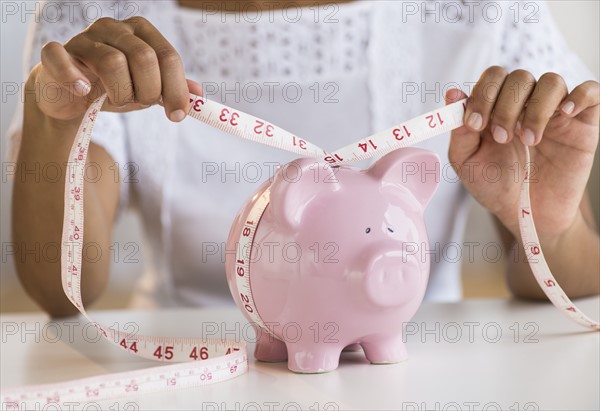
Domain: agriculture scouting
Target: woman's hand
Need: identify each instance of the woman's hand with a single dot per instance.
(130, 60)
(506, 111)
(134, 64)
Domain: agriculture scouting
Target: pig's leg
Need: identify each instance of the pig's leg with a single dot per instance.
(385, 350)
(269, 348)
(313, 358)
(353, 347)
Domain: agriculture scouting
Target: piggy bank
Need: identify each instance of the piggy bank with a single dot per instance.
(335, 260)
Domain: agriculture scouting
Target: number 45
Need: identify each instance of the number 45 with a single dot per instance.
(168, 352)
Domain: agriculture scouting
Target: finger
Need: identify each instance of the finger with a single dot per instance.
(141, 58)
(108, 64)
(585, 95)
(463, 142)
(61, 83)
(194, 87)
(543, 103)
(175, 93)
(59, 65)
(483, 97)
(519, 126)
(143, 68)
(515, 92)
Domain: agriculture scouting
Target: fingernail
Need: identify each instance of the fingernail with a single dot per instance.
(500, 134)
(177, 115)
(528, 137)
(568, 107)
(84, 87)
(475, 121)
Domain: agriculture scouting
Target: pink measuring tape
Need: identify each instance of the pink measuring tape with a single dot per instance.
(205, 361)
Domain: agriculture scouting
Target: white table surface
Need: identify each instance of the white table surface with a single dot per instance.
(473, 355)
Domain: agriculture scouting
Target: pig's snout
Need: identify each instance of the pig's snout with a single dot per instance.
(392, 278)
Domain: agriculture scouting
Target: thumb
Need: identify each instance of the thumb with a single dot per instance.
(463, 142)
(57, 99)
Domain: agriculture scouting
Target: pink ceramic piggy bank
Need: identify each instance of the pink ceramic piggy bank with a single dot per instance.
(337, 264)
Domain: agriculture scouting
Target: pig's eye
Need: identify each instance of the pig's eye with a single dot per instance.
(368, 230)
(390, 230)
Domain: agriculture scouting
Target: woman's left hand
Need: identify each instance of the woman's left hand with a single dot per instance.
(561, 129)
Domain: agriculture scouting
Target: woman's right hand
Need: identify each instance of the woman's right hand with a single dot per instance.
(130, 60)
(134, 64)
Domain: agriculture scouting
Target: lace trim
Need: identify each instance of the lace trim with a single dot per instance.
(274, 47)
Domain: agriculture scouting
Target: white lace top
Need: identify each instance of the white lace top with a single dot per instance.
(332, 74)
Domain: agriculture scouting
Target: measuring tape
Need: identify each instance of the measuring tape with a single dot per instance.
(205, 361)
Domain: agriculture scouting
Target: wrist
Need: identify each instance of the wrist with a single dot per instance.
(39, 128)
(549, 239)
(553, 243)
(44, 139)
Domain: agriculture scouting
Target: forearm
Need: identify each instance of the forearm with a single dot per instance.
(573, 259)
(38, 213)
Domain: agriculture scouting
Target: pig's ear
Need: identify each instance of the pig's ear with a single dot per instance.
(414, 168)
(296, 185)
